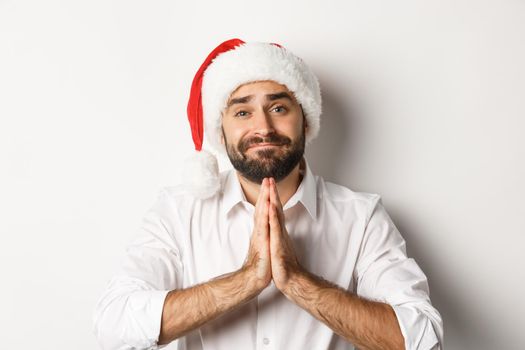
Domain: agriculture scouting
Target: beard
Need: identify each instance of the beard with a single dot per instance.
(276, 162)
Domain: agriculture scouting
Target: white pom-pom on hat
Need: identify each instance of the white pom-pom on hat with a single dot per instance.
(230, 65)
(201, 174)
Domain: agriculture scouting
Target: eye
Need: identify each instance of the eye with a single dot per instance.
(241, 114)
(279, 109)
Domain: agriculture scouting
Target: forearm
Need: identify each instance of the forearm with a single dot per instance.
(188, 309)
(366, 324)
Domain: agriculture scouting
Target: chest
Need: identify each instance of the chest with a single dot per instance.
(217, 245)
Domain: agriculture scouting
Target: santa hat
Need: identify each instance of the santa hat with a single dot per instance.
(230, 65)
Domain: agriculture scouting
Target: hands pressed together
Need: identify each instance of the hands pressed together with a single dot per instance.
(271, 254)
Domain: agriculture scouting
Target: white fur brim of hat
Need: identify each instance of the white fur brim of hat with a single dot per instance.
(256, 61)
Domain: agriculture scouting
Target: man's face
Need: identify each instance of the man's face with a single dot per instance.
(264, 130)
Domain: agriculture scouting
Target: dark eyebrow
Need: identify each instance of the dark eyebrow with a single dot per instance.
(279, 95)
(239, 100)
(270, 97)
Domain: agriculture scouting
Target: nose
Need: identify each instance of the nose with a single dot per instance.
(263, 124)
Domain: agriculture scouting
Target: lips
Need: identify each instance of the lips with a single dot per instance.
(272, 140)
(264, 144)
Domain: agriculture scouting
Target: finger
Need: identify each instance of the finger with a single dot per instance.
(260, 199)
(266, 201)
(275, 191)
(275, 224)
(262, 212)
(276, 200)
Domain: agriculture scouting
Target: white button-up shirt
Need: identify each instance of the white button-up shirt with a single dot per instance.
(343, 236)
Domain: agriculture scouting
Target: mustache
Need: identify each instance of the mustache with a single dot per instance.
(271, 138)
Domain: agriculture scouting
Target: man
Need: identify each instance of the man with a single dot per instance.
(265, 256)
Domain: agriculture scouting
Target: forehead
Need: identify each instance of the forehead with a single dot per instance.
(259, 87)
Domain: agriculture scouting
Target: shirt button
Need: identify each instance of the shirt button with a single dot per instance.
(266, 341)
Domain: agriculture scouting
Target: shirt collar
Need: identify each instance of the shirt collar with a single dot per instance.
(306, 193)
(232, 193)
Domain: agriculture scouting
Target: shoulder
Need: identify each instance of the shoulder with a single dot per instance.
(180, 194)
(176, 208)
(346, 199)
(339, 193)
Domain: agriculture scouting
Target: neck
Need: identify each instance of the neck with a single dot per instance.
(286, 187)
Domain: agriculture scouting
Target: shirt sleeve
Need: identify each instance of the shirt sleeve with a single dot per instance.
(385, 273)
(129, 313)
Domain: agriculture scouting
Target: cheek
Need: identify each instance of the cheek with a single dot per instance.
(231, 133)
(292, 128)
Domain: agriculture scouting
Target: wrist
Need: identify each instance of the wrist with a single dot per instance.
(253, 284)
(296, 283)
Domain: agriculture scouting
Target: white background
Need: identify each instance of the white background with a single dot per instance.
(423, 103)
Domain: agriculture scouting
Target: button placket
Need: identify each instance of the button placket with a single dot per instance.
(265, 319)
